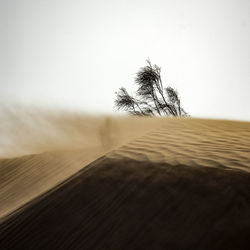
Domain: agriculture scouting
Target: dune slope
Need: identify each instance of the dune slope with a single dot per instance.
(24, 178)
(184, 185)
(71, 141)
(128, 204)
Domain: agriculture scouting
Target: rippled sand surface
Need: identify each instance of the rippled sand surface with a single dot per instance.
(193, 142)
(179, 184)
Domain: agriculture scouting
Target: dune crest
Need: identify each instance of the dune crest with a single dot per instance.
(53, 146)
(137, 184)
(193, 142)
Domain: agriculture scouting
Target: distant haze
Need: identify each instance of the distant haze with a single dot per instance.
(75, 54)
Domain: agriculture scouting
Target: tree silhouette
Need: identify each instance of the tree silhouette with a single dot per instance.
(152, 99)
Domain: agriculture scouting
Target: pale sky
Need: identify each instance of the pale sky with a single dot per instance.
(75, 54)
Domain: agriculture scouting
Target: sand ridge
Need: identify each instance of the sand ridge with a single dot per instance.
(193, 142)
(73, 141)
(181, 184)
(128, 204)
(24, 178)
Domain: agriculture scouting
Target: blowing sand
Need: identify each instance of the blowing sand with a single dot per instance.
(73, 141)
(157, 184)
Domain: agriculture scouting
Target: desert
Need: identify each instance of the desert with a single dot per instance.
(124, 125)
(178, 183)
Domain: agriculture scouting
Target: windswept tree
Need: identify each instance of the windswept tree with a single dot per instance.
(151, 98)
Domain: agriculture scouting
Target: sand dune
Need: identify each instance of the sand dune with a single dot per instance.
(193, 142)
(24, 178)
(182, 184)
(74, 139)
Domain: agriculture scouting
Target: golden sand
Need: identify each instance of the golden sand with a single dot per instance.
(156, 184)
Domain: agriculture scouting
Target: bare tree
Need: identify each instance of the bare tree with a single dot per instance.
(152, 99)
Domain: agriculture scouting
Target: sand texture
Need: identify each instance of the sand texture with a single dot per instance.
(24, 178)
(182, 184)
(73, 141)
(193, 142)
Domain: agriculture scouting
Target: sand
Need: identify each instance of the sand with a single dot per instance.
(193, 142)
(40, 149)
(179, 184)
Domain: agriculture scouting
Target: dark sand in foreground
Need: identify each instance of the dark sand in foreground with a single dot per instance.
(185, 185)
(127, 204)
